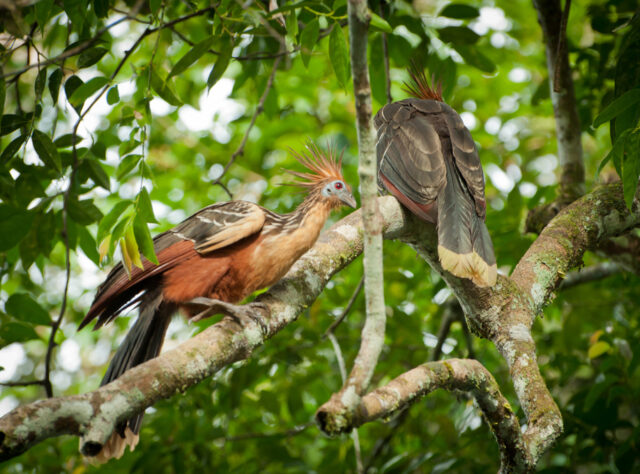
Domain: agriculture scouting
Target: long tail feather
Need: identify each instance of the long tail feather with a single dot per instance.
(464, 244)
(143, 342)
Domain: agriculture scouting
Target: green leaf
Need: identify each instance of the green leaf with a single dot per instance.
(70, 86)
(308, 40)
(15, 225)
(615, 108)
(221, 63)
(458, 35)
(97, 173)
(473, 57)
(12, 148)
(143, 238)
(86, 90)
(339, 55)
(631, 166)
(195, 53)
(597, 389)
(24, 308)
(67, 140)
(379, 23)
(75, 10)
(113, 96)
(163, 89)
(45, 149)
(91, 56)
(12, 122)
(144, 207)
(154, 6)
(460, 11)
(101, 7)
(83, 212)
(55, 79)
(42, 10)
(88, 245)
(597, 349)
(127, 164)
(41, 80)
(17, 332)
(3, 92)
(109, 220)
(291, 23)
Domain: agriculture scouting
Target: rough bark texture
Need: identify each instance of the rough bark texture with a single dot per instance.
(504, 314)
(335, 415)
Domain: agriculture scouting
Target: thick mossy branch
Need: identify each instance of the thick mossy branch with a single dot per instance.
(454, 374)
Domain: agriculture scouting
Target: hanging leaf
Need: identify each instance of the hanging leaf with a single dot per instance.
(12, 148)
(86, 90)
(41, 80)
(143, 238)
(308, 40)
(55, 79)
(380, 24)
(458, 35)
(132, 247)
(17, 332)
(12, 122)
(460, 11)
(631, 166)
(615, 108)
(15, 225)
(91, 56)
(127, 164)
(101, 7)
(24, 308)
(196, 52)
(83, 212)
(338, 52)
(598, 349)
(113, 96)
(144, 207)
(88, 245)
(163, 89)
(70, 86)
(109, 220)
(473, 57)
(46, 150)
(221, 64)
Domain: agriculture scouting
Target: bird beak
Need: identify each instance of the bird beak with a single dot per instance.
(347, 198)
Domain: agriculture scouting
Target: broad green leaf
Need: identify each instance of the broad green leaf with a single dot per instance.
(379, 23)
(101, 7)
(12, 148)
(221, 63)
(43, 9)
(55, 79)
(132, 247)
(615, 108)
(339, 55)
(24, 308)
(308, 40)
(97, 173)
(473, 57)
(113, 97)
(88, 245)
(163, 89)
(40, 82)
(86, 90)
(91, 56)
(83, 212)
(144, 207)
(15, 225)
(67, 140)
(292, 25)
(12, 122)
(599, 348)
(616, 152)
(70, 86)
(154, 6)
(143, 238)
(46, 150)
(195, 53)
(460, 11)
(597, 389)
(17, 332)
(458, 35)
(76, 10)
(631, 166)
(109, 220)
(127, 164)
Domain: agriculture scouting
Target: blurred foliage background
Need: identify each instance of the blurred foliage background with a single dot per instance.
(182, 81)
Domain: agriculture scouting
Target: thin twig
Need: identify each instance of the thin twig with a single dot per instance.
(277, 434)
(589, 274)
(259, 108)
(22, 384)
(346, 310)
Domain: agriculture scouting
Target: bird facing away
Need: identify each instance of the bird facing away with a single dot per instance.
(428, 160)
(223, 252)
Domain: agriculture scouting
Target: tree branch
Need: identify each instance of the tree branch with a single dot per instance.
(334, 416)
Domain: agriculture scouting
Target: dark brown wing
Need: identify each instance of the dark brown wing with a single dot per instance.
(209, 229)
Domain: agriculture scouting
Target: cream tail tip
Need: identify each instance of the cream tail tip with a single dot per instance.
(468, 265)
(114, 448)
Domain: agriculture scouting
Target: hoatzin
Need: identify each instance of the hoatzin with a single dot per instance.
(219, 255)
(428, 160)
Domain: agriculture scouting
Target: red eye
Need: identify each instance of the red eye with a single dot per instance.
(338, 185)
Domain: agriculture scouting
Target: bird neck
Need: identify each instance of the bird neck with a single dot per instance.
(312, 213)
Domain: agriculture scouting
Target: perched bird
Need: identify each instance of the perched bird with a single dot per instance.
(219, 255)
(428, 160)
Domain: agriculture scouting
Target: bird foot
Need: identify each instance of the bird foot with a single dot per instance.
(242, 314)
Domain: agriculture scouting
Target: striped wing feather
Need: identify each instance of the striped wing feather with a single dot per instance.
(210, 229)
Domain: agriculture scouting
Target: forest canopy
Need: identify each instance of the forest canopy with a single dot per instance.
(122, 118)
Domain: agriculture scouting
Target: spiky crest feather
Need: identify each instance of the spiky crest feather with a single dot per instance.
(419, 87)
(323, 166)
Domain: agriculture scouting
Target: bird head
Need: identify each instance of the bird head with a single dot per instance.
(419, 86)
(324, 179)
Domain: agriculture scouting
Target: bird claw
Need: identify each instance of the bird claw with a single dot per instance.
(242, 314)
